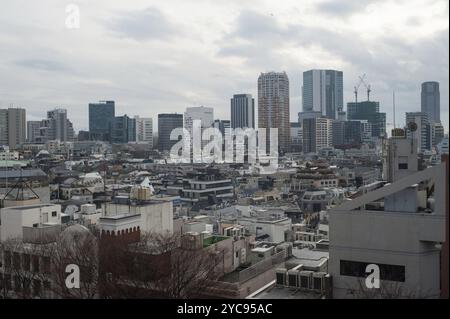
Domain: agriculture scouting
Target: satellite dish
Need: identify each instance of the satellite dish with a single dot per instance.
(412, 126)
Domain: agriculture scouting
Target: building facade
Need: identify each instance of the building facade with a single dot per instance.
(166, 124)
(144, 130)
(323, 92)
(369, 111)
(430, 103)
(123, 130)
(242, 111)
(101, 117)
(12, 127)
(423, 132)
(273, 106)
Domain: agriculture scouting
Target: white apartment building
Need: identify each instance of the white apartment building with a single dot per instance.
(21, 221)
(144, 130)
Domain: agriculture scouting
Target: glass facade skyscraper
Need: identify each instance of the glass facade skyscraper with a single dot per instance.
(431, 104)
(323, 92)
(101, 116)
(166, 124)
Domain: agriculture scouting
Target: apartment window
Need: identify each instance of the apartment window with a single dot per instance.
(358, 269)
(403, 166)
(54, 214)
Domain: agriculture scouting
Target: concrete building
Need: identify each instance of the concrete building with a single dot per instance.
(33, 131)
(423, 130)
(12, 127)
(203, 114)
(323, 92)
(430, 102)
(317, 134)
(242, 111)
(166, 124)
(22, 222)
(399, 228)
(144, 130)
(273, 106)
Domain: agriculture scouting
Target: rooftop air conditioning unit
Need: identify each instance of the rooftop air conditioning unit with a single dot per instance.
(293, 279)
(305, 277)
(281, 277)
(319, 281)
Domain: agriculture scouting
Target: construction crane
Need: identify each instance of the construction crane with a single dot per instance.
(361, 80)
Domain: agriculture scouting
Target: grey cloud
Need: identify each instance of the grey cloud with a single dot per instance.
(142, 25)
(42, 64)
(342, 8)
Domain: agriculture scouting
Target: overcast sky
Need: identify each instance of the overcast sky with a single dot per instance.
(163, 56)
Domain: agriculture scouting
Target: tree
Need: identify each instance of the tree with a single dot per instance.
(158, 267)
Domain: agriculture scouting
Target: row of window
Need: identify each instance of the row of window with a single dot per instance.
(24, 261)
(358, 269)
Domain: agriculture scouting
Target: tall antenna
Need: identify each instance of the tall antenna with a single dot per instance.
(393, 106)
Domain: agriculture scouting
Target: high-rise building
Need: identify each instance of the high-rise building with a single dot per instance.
(242, 111)
(422, 131)
(317, 134)
(222, 125)
(101, 116)
(166, 124)
(144, 130)
(431, 101)
(60, 127)
(369, 111)
(296, 137)
(12, 127)
(33, 131)
(438, 133)
(323, 92)
(123, 130)
(201, 113)
(273, 106)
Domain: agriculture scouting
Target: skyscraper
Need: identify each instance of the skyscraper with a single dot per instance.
(12, 127)
(166, 124)
(431, 101)
(123, 130)
(242, 111)
(317, 134)
(60, 127)
(323, 92)
(369, 111)
(101, 116)
(273, 106)
(144, 130)
(423, 132)
(201, 113)
(33, 131)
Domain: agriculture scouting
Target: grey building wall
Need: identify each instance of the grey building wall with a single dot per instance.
(242, 111)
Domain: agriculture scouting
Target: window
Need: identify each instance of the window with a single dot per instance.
(403, 166)
(358, 269)
(54, 214)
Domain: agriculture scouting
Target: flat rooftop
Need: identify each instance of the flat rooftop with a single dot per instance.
(273, 292)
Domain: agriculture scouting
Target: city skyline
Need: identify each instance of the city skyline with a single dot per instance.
(140, 65)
